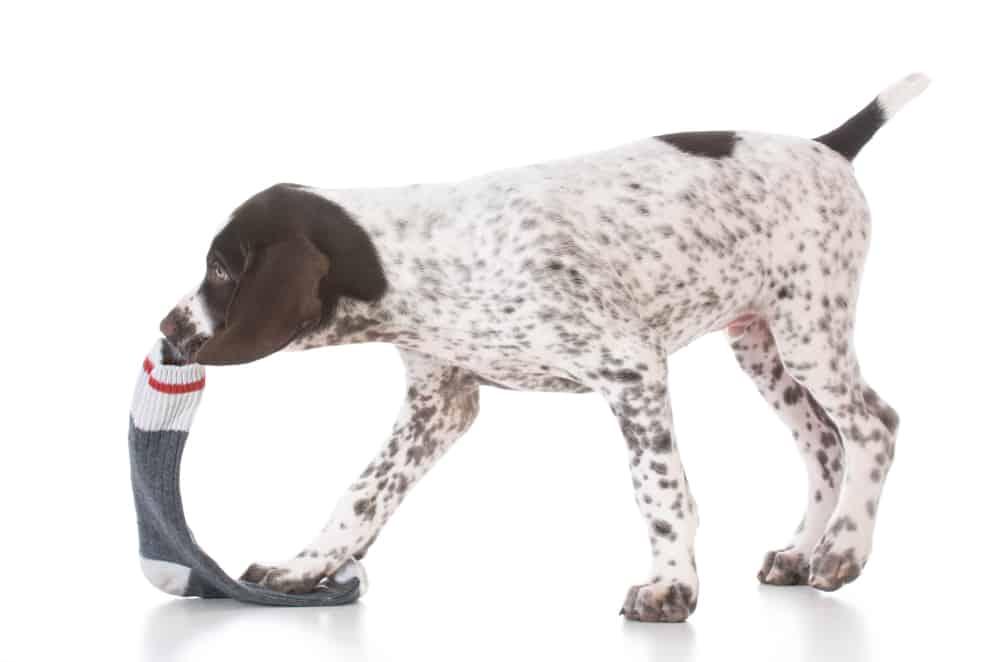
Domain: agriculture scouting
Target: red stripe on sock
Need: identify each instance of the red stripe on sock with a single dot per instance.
(170, 389)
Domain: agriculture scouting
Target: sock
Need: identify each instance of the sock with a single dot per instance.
(163, 407)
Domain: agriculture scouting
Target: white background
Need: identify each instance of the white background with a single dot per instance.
(130, 130)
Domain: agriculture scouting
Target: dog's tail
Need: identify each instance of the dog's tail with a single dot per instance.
(852, 135)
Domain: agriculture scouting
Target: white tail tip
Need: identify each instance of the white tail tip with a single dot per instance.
(898, 95)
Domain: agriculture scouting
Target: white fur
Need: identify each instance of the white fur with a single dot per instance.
(899, 94)
(199, 316)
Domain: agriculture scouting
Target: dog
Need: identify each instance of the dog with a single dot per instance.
(582, 275)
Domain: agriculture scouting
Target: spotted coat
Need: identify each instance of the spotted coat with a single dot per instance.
(583, 275)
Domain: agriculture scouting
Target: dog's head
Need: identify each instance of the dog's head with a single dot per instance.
(275, 271)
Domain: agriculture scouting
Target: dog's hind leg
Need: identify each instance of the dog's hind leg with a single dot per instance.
(818, 442)
(441, 403)
(814, 340)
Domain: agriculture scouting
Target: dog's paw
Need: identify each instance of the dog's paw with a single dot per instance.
(304, 575)
(784, 567)
(829, 570)
(300, 575)
(660, 602)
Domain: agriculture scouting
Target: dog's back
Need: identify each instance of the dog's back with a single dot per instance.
(680, 234)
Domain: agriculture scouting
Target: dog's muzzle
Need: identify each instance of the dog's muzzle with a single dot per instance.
(182, 338)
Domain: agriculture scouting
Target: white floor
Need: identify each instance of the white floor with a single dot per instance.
(526, 622)
(503, 619)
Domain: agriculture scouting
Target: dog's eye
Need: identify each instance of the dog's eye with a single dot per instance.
(218, 273)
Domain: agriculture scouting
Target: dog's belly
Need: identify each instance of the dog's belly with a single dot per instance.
(530, 378)
(505, 366)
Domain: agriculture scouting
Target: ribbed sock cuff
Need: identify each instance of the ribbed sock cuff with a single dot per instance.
(166, 396)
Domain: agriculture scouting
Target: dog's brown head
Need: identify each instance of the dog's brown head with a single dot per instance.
(276, 270)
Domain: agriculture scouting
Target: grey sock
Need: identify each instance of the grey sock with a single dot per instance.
(166, 398)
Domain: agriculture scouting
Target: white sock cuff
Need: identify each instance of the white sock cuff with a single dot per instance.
(166, 396)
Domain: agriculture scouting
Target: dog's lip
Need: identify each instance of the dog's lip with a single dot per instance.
(193, 346)
(185, 351)
(174, 354)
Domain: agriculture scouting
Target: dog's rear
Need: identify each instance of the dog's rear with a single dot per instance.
(799, 351)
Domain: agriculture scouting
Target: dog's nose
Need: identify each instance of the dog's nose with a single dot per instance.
(168, 327)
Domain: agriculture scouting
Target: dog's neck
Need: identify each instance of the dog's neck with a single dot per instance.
(412, 232)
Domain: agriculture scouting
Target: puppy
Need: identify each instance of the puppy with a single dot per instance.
(582, 275)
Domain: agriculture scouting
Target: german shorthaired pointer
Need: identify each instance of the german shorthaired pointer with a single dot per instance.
(582, 275)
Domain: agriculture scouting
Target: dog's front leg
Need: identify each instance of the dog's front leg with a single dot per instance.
(441, 403)
(637, 393)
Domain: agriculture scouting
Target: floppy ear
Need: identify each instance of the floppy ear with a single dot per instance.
(277, 296)
(355, 269)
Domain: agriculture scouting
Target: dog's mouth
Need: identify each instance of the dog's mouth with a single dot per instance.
(182, 352)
